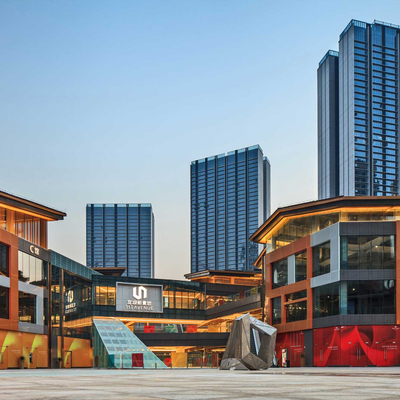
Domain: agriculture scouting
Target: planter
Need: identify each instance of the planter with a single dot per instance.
(302, 362)
(21, 364)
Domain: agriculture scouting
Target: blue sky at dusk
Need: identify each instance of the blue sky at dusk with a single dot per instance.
(110, 101)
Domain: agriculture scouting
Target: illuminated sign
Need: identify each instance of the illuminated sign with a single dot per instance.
(34, 250)
(70, 306)
(131, 297)
(139, 293)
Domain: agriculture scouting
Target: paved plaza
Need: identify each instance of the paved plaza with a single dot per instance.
(202, 384)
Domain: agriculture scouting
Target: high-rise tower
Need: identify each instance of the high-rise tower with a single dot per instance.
(230, 198)
(121, 235)
(358, 111)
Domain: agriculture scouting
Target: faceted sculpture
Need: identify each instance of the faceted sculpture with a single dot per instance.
(251, 345)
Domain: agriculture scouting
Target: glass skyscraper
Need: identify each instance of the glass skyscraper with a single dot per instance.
(358, 111)
(230, 199)
(121, 235)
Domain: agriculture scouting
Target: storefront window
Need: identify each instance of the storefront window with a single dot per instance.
(27, 307)
(367, 252)
(276, 311)
(296, 311)
(280, 273)
(3, 260)
(301, 266)
(4, 296)
(321, 259)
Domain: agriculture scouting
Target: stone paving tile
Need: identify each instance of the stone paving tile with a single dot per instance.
(205, 384)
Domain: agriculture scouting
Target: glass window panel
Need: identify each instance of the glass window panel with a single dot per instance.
(276, 310)
(321, 259)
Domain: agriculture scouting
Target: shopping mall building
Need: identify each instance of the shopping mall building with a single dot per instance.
(326, 280)
(54, 309)
(331, 274)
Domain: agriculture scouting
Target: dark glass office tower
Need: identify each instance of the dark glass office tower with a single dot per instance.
(121, 235)
(230, 198)
(366, 83)
(328, 126)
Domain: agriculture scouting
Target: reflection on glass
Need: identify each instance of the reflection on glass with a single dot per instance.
(4, 260)
(296, 311)
(301, 266)
(321, 259)
(368, 252)
(27, 307)
(280, 273)
(276, 311)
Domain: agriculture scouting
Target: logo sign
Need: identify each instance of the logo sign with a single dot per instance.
(131, 297)
(34, 250)
(139, 293)
(70, 305)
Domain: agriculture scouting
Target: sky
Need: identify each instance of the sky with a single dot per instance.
(110, 101)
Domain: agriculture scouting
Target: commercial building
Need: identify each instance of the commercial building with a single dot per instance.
(328, 283)
(358, 111)
(120, 239)
(331, 270)
(230, 198)
(36, 325)
(55, 311)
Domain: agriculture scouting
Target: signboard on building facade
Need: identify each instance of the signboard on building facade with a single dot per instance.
(70, 304)
(142, 298)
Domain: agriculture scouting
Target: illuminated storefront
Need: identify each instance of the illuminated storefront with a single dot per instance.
(330, 272)
(48, 303)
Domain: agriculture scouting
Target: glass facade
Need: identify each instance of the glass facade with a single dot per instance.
(326, 300)
(28, 227)
(121, 235)
(367, 252)
(3, 218)
(321, 259)
(32, 270)
(296, 228)
(27, 307)
(296, 311)
(280, 273)
(229, 200)
(355, 297)
(71, 304)
(301, 266)
(4, 302)
(296, 296)
(181, 300)
(367, 81)
(276, 311)
(4, 266)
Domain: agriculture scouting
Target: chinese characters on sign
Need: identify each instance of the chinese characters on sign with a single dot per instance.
(138, 305)
(132, 297)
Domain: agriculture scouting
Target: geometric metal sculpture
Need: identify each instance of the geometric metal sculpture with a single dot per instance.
(251, 345)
